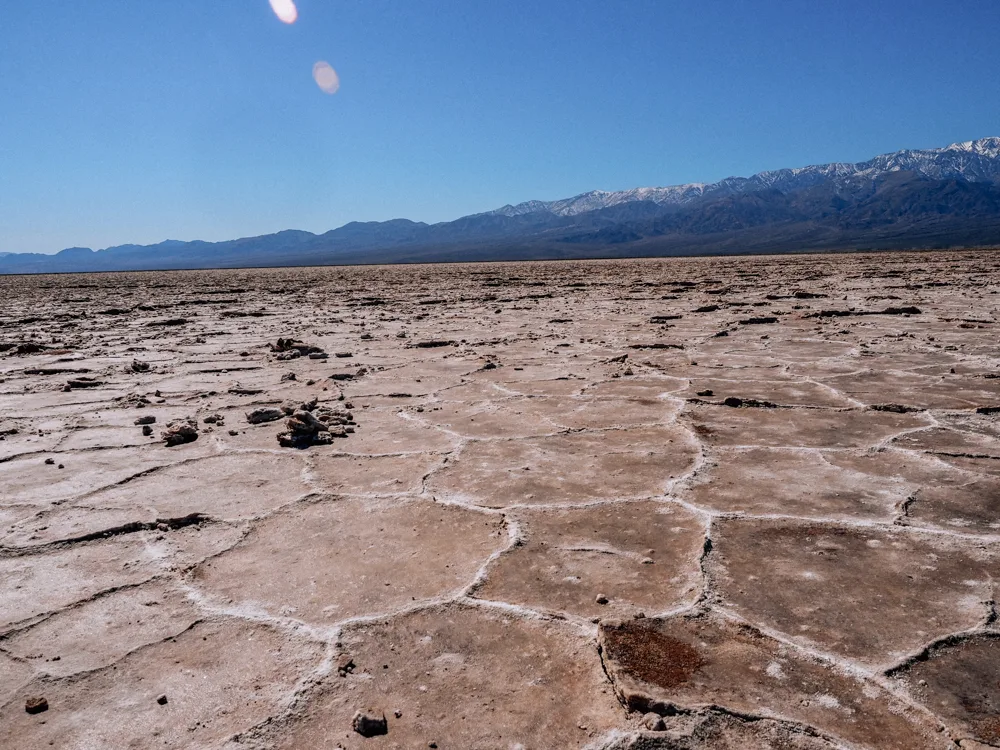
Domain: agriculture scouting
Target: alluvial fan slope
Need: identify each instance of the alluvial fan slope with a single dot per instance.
(705, 503)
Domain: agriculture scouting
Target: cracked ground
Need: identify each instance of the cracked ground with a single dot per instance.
(620, 505)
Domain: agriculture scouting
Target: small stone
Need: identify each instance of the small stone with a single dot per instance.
(370, 724)
(345, 665)
(36, 705)
(653, 722)
(706, 392)
(146, 419)
(161, 699)
(601, 599)
(147, 430)
(50, 461)
(264, 414)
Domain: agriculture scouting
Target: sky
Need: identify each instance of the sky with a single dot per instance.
(135, 121)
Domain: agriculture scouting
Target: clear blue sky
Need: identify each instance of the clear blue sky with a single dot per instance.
(141, 120)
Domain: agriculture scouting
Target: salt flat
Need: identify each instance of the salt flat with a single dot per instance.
(685, 503)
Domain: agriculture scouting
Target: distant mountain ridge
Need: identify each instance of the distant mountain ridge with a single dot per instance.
(974, 161)
(907, 199)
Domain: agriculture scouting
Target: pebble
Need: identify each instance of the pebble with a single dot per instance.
(161, 699)
(36, 704)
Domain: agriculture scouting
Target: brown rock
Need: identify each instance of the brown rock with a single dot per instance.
(370, 724)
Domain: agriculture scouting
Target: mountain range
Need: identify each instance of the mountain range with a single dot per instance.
(943, 197)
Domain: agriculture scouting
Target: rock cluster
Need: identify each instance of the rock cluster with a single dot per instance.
(180, 431)
(314, 424)
(293, 349)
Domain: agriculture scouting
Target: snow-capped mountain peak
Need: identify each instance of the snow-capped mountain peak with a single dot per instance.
(972, 161)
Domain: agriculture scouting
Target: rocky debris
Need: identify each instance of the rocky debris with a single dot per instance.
(664, 318)
(706, 308)
(988, 410)
(345, 666)
(907, 310)
(84, 382)
(370, 724)
(431, 344)
(264, 414)
(343, 355)
(179, 432)
(146, 419)
(288, 376)
(133, 401)
(27, 347)
(706, 393)
(763, 320)
(147, 430)
(656, 345)
(214, 419)
(169, 322)
(289, 348)
(36, 705)
(239, 390)
(162, 699)
(56, 370)
(748, 403)
(137, 366)
(311, 424)
(894, 408)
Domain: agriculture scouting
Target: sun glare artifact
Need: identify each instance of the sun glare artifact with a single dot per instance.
(326, 77)
(285, 10)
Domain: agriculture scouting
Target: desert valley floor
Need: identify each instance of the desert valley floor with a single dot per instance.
(691, 504)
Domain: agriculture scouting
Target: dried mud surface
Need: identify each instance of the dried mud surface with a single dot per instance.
(619, 505)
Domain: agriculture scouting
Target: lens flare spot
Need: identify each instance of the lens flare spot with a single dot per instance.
(326, 77)
(285, 10)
